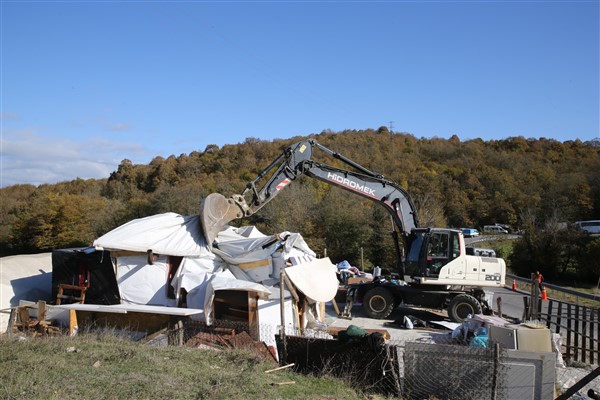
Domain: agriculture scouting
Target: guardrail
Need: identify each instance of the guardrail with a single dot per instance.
(556, 288)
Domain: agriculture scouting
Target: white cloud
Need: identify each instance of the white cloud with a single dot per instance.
(30, 158)
(120, 127)
(9, 116)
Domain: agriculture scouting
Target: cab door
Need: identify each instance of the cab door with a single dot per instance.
(447, 263)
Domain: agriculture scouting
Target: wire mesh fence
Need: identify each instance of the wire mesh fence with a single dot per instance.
(452, 372)
(438, 368)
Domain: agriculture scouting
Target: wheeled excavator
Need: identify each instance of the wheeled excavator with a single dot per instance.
(432, 267)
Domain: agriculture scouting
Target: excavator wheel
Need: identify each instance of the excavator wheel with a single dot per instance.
(379, 303)
(461, 306)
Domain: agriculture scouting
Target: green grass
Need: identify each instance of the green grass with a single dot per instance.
(503, 248)
(109, 367)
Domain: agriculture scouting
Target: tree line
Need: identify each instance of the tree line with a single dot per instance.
(534, 184)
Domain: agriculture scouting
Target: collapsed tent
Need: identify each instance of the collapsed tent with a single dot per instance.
(163, 260)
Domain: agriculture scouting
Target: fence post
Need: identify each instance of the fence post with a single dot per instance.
(585, 336)
(569, 331)
(499, 304)
(593, 327)
(534, 298)
(576, 355)
(282, 328)
(495, 377)
(558, 316)
(549, 315)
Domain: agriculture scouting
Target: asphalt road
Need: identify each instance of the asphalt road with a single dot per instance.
(512, 302)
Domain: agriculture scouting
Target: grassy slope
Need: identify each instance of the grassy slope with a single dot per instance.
(111, 368)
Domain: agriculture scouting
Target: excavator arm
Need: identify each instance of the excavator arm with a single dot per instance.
(216, 211)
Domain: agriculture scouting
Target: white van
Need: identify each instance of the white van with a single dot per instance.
(494, 229)
(591, 227)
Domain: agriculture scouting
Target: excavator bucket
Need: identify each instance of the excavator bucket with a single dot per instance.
(216, 212)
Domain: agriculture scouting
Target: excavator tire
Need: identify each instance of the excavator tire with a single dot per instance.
(378, 303)
(461, 306)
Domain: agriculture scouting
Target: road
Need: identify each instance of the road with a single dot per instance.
(512, 302)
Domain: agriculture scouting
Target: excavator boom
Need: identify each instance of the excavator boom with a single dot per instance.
(217, 211)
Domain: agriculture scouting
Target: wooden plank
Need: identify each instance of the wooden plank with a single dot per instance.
(23, 313)
(335, 306)
(279, 368)
(253, 322)
(41, 310)
(321, 311)
(353, 281)
(283, 383)
(73, 327)
(291, 288)
(11, 320)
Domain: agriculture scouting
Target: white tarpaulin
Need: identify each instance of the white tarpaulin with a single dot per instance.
(168, 233)
(255, 257)
(142, 283)
(193, 276)
(316, 279)
(23, 277)
(235, 247)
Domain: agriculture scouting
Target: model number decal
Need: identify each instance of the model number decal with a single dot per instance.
(492, 278)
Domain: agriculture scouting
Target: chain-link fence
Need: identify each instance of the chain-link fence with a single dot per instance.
(453, 372)
(412, 369)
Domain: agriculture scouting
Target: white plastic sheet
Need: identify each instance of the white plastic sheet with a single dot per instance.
(168, 233)
(141, 283)
(316, 279)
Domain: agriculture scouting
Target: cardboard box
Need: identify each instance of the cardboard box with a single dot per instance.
(364, 279)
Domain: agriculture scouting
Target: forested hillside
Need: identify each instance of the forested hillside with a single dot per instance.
(533, 184)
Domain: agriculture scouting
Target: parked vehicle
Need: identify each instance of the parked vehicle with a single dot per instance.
(494, 229)
(470, 232)
(432, 268)
(590, 227)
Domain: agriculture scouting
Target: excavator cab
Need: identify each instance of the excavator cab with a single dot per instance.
(429, 250)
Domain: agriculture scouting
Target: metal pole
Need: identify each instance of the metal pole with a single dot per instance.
(495, 379)
(282, 327)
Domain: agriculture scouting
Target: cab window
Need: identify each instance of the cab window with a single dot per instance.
(438, 252)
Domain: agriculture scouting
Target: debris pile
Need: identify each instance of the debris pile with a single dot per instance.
(222, 338)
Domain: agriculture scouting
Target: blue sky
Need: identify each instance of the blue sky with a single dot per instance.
(86, 84)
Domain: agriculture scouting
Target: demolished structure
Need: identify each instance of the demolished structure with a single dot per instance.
(163, 262)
